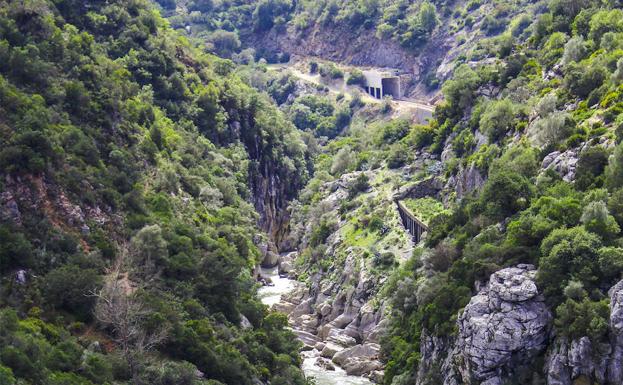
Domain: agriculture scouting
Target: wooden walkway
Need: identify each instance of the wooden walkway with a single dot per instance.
(414, 226)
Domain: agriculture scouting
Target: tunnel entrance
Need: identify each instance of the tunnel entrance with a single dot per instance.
(380, 84)
(391, 86)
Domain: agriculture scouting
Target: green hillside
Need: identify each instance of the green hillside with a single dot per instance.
(128, 162)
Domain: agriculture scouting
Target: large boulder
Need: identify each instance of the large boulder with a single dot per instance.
(504, 326)
(359, 359)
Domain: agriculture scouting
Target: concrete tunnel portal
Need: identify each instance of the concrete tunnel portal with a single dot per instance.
(379, 84)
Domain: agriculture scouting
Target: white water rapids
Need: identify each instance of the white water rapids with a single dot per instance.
(271, 295)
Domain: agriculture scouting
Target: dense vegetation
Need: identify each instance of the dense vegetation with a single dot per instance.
(129, 165)
(558, 88)
(231, 27)
(132, 164)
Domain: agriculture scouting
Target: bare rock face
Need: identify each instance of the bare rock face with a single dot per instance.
(563, 163)
(582, 360)
(426, 188)
(575, 360)
(466, 180)
(505, 325)
(615, 367)
(270, 255)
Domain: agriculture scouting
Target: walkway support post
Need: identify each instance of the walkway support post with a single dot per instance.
(415, 227)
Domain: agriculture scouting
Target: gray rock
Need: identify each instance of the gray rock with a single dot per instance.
(427, 187)
(245, 323)
(567, 361)
(324, 363)
(365, 351)
(466, 180)
(615, 366)
(563, 163)
(505, 325)
(330, 349)
(359, 359)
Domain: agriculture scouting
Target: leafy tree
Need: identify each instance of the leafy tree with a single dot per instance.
(505, 193)
(343, 161)
(611, 261)
(15, 250)
(575, 50)
(553, 128)
(355, 77)
(224, 43)
(267, 11)
(582, 80)
(577, 319)
(605, 21)
(597, 219)
(498, 119)
(70, 288)
(460, 90)
(591, 165)
(614, 170)
(568, 254)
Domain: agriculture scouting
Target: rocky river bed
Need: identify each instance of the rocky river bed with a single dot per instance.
(321, 369)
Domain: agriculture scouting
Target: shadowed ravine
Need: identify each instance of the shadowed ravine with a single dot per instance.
(271, 295)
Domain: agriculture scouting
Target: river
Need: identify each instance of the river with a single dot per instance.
(271, 295)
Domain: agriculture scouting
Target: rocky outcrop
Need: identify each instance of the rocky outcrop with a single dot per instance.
(24, 195)
(570, 362)
(564, 163)
(434, 355)
(578, 359)
(502, 328)
(425, 188)
(270, 254)
(465, 181)
(615, 367)
(506, 327)
(359, 359)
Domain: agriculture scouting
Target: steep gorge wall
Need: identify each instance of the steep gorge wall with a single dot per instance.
(338, 43)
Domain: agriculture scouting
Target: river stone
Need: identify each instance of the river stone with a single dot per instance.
(356, 367)
(367, 351)
(307, 338)
(340, 338)
(377, 376)
(330, 349)
(324, 363)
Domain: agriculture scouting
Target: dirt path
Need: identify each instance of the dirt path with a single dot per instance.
(420, 110)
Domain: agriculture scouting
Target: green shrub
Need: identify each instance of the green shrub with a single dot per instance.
(355, 77)
(505, 193)
(360, 184)
(591, 165)
(597, 219)
(576, 319)
(69, 288)
(568, 253)
(498, 119)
